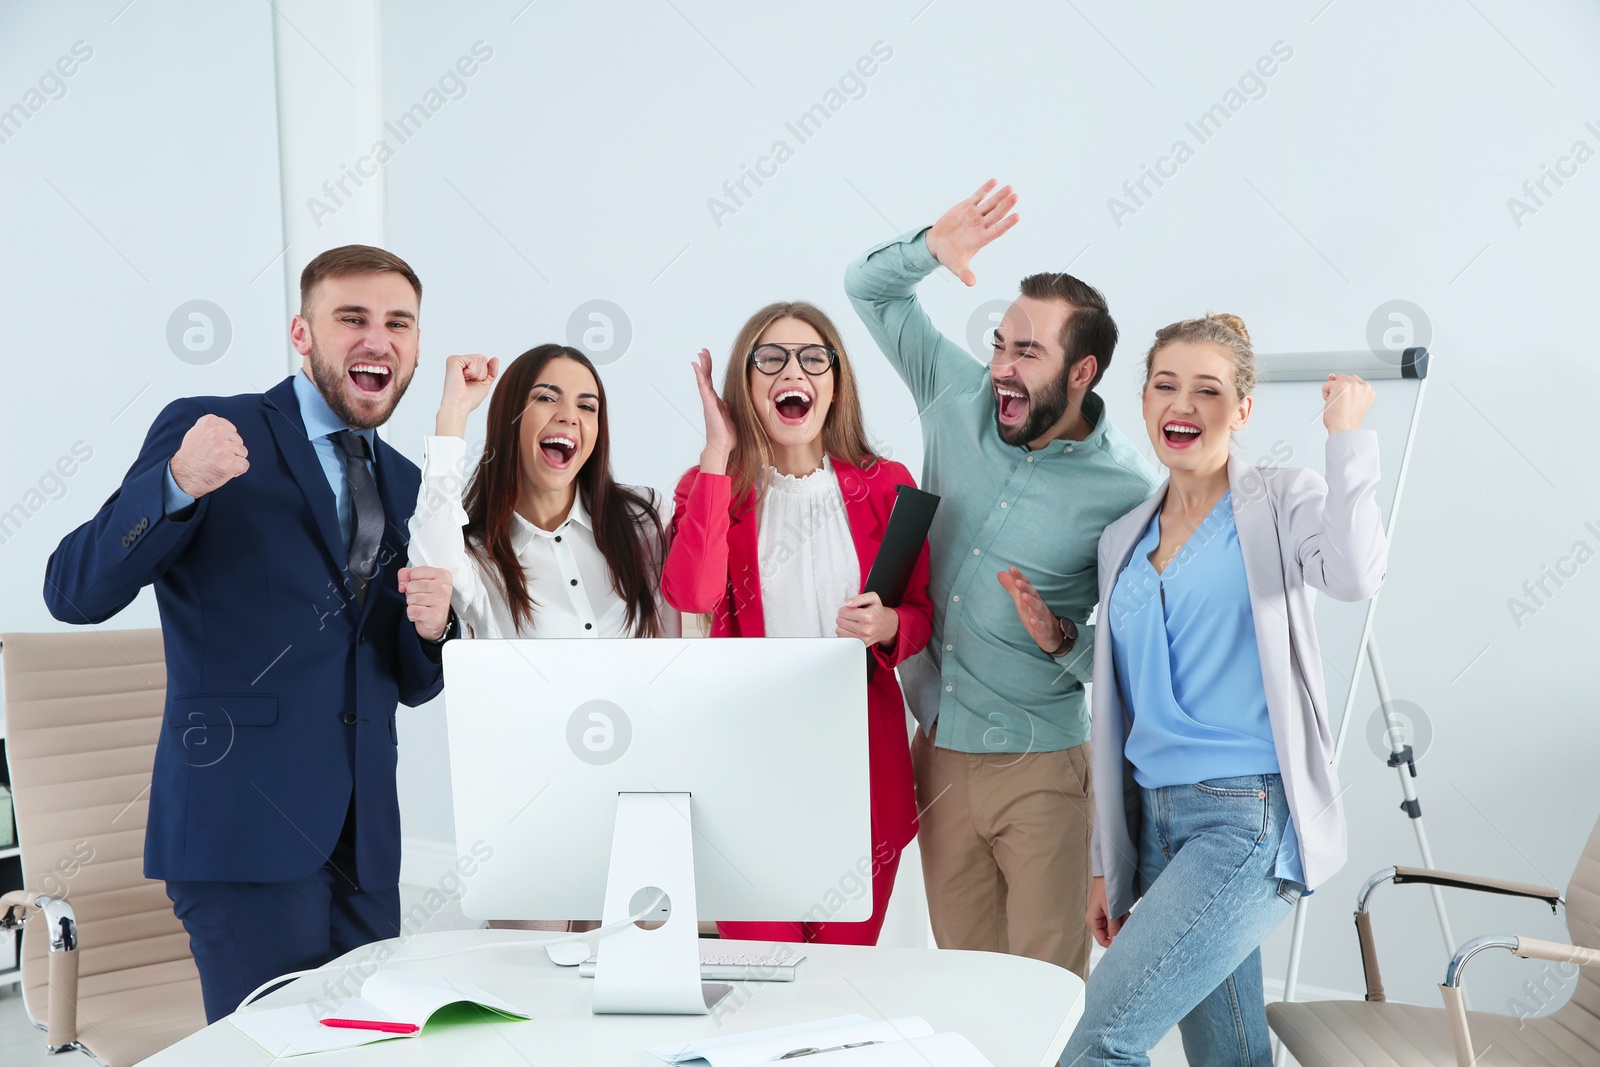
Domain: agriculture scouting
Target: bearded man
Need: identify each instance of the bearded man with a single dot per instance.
(273, 527)
(1030, 471)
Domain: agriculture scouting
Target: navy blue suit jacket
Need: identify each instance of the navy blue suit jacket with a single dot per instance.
(267, 652)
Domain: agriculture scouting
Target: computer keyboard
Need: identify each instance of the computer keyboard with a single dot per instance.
(735, 966)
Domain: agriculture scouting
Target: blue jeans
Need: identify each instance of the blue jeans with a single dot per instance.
(1190, 952)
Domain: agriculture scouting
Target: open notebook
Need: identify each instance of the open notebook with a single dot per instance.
(848, 1041)
(388, 996)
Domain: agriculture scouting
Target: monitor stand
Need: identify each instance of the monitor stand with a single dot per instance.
(652, 967)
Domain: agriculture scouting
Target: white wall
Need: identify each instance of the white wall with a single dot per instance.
(146, 179)
(1375, 165)
(328, 76)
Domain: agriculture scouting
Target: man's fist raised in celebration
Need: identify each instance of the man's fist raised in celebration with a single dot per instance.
(211, 456)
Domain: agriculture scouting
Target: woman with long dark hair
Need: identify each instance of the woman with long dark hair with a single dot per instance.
(543, 542)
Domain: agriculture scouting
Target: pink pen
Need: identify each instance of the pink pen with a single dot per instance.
(372, 1024)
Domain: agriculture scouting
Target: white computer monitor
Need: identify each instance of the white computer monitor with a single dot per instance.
(751, 754)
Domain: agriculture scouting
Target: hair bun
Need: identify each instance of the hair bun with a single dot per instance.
(1232, 322)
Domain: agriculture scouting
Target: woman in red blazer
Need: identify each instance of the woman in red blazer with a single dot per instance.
(773, 535)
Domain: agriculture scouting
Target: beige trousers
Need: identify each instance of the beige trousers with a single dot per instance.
(1005, 850)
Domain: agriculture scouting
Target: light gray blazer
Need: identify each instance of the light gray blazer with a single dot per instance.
(1298, 534)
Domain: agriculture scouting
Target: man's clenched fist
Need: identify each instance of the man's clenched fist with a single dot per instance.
(427, 592)
(211, 456)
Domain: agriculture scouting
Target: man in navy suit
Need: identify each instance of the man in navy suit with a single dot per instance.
(273, 527)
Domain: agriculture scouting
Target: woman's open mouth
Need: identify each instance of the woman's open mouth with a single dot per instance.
(792, 406)
(1180, 434)
(1012, 404)
(558, 450)
(370, 379)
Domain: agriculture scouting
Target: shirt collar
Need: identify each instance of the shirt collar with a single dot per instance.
(1094, 409)
(523, 531)
(319, 418)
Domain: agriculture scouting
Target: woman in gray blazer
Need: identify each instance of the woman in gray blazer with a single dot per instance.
(1215, 799)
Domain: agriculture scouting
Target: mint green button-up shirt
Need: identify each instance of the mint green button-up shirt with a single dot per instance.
(982, 684)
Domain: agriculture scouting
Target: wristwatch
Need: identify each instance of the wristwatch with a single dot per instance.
(449, 624)
(1069, 636)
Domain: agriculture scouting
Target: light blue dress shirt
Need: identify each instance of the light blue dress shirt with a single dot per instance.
(982, 678)
(320, 421)
(1184, 645)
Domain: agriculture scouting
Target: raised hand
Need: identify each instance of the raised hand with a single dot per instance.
(212, 455)
(967, 227)
(1345, 400)
(467, 381)
(427, 592)
(720, 435)
(865, 618)
(1040, 622)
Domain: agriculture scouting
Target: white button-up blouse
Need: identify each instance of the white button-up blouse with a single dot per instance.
(567, 575)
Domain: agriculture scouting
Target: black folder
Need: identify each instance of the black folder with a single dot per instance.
(902, 544)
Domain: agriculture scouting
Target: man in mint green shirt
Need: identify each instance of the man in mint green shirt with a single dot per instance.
(1030, 472)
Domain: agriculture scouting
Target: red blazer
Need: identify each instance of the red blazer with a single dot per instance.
(712, 567)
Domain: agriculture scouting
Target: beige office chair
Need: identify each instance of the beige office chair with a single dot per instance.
(1376, 1033)
(104, 959)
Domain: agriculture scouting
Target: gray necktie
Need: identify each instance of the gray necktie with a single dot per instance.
(368, 530)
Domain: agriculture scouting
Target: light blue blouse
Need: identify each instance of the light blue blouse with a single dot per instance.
(1184, 645)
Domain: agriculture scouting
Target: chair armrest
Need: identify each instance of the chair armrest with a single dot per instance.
(1423, 876)
(1531, 948)
(1525, 947)
(61, 999)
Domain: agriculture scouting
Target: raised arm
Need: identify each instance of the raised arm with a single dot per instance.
(1336, 527)
(694, 578)
(881, 285)
(437, 536)
(99, 568)
(695, 575)
(436, 525)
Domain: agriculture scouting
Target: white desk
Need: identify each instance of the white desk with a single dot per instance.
(1018, 1012)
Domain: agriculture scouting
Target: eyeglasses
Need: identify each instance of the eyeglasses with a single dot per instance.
(814, 359)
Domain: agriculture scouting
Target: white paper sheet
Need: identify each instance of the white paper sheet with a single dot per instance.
(935, 1050)
(764, 1046)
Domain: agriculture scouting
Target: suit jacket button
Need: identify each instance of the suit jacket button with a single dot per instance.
(349, 718)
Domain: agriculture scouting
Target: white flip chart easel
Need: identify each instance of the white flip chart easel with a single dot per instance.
(1345, 631)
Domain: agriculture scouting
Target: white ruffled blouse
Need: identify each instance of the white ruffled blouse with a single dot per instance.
(807, 556)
